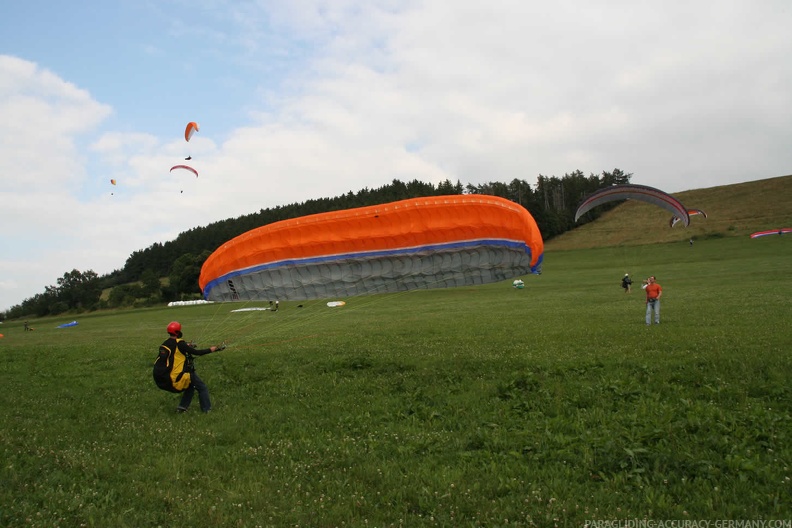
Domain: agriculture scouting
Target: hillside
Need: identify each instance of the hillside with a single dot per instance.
(733, 210)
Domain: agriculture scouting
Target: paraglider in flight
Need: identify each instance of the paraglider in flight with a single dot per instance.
(643, 193)
(782, 231)
(113, 182)
(421, 243)
(692, 212)
(188, 158)
(185, 167)
(192, 128)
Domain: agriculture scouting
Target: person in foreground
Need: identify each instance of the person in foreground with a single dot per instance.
(174, 369)
(653, 293)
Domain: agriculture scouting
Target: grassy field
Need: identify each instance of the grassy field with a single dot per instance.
(483, 406)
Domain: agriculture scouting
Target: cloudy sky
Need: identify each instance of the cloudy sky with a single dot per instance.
(305, 99)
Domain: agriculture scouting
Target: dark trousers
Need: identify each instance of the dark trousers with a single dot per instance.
(203, 393)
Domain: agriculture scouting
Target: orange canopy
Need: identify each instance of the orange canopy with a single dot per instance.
(191, 128)
(419, 228)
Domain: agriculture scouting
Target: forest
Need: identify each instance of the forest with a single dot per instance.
(169, 271)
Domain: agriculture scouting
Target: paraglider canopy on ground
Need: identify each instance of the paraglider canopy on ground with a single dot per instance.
(421, 243)
(782, 231)
(188, 303)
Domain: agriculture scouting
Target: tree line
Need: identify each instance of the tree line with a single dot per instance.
(169, 271)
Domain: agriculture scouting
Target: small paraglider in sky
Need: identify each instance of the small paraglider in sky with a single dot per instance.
(112, 182)
(192, 128)
(185, 167)
(643, 193)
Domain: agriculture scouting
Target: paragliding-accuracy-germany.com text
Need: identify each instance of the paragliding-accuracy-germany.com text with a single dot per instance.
(689, 523)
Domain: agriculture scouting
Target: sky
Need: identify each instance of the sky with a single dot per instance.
(305, 99)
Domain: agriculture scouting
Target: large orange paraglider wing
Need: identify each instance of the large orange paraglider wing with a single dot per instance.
(185, 167)
(643, 193)
(422, 243)
(192, 128)
(113, 182)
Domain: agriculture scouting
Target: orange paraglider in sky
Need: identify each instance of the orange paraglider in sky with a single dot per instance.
(192, 128)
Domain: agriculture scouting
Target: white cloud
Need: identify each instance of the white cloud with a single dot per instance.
(43, 117)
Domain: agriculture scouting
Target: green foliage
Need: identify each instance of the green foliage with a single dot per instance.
(79, 289)
(76, 291)
(184, 274)
(124, 295)
(480, 406)
(151, 283)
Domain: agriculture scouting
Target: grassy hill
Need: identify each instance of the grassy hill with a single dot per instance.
(554, 405)
(732, 210)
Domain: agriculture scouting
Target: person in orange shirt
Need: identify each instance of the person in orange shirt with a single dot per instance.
(653, 293)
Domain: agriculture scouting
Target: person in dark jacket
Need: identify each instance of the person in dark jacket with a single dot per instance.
(626, 283)
(180, 354)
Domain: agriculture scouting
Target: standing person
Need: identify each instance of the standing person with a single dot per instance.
(174, 370)
(653, 293)
(626, 283)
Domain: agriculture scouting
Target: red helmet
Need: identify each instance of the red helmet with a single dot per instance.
(174, 328)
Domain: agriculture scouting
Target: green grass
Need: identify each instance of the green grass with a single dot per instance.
(481, 406)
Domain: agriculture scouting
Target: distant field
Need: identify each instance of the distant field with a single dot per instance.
(481, 406)
(732, 210)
